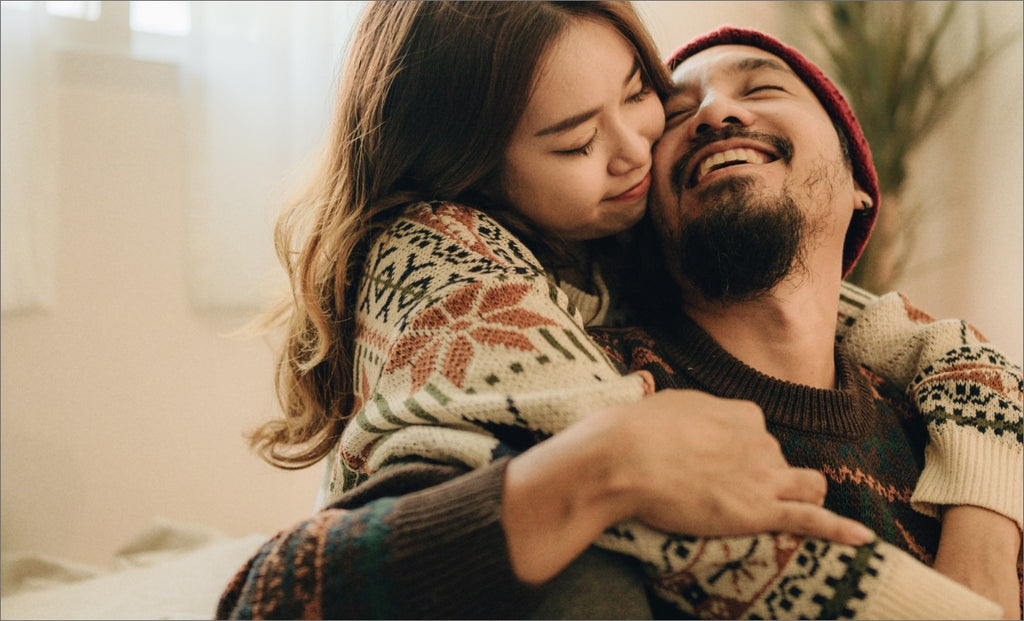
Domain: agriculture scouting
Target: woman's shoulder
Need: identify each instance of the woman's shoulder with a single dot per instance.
(434, 252)
(458, 232)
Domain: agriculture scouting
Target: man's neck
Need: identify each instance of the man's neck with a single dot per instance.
(788, 334)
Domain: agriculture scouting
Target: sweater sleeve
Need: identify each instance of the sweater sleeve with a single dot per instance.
(969, 394)
(780, 576)
(437, 552)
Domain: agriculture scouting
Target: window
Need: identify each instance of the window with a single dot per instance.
(163, 18)
(254, 94)
(89, 11)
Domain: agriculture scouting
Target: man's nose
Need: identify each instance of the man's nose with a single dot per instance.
(716, 112)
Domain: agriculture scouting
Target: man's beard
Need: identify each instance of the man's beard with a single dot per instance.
(743, 243)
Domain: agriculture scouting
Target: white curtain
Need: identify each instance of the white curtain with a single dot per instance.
(259, 82)
(256, 89)
(28, 160)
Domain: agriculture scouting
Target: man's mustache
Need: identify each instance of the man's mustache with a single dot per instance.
(781, 145)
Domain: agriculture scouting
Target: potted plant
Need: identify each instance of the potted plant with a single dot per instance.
(892, 61)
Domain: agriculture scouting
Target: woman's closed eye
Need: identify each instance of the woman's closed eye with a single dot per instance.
(581, 150)
(642, 94)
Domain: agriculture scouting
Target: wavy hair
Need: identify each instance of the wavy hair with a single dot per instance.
(426, 103)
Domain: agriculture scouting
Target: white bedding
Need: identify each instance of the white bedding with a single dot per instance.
(167, 571)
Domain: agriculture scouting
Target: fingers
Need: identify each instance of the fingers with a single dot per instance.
(803, 485)
(809, 520)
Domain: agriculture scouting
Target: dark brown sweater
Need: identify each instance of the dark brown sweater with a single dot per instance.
(863, 436)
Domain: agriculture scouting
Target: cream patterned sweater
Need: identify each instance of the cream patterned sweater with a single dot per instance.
(467, 353)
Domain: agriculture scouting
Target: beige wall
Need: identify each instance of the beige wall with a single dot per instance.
(121, 403)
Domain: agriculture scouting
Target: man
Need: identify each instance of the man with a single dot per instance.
(764, 195)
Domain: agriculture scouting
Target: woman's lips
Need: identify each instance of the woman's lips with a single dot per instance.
(636, 191)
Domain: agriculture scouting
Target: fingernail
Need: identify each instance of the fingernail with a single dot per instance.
(863, 534)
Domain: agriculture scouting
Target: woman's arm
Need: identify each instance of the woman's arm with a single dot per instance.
(969, 394)
(680, 461)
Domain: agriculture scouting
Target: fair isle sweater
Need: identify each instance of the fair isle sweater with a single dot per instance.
(863, 435)
(467, 354)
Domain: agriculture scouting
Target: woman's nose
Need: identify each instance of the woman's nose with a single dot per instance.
(633, 150)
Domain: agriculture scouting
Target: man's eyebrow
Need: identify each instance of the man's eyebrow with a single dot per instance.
(678, 89)
(755, 63)
(743, 65)
(578, 119)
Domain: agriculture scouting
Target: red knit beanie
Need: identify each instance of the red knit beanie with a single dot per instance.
(836, 107)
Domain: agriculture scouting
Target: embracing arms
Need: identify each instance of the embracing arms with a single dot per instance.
(422, 540)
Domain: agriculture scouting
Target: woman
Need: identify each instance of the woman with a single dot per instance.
(467, 513)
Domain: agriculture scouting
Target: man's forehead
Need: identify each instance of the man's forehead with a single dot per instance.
(726, 59)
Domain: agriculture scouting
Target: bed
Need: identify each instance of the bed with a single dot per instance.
(166, 571)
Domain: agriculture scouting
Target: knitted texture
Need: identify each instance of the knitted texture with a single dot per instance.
(860, 436)
(467, 353)
(390, 551)
(968, 394)
(835, 105)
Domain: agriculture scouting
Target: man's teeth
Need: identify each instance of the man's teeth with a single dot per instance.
(732, 156)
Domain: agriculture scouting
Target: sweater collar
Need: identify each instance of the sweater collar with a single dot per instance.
(847, 411)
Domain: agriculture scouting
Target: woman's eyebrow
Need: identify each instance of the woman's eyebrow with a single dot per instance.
(569, 123)
(577, 119)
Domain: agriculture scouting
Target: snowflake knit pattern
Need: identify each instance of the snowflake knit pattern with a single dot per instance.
(466, 352)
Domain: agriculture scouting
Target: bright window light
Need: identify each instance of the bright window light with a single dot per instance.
(89, 10)
(18, 5)
(161, 17)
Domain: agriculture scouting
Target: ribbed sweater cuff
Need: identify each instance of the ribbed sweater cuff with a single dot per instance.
(907, 589)
(456, 540)
(965, 467)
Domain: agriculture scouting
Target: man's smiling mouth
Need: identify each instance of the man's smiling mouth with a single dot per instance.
(728, 146)
(724, 159)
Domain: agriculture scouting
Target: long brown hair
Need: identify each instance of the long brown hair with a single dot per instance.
(427, 100)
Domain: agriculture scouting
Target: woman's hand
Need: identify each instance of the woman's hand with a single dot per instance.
(681, 461)
(980, 549)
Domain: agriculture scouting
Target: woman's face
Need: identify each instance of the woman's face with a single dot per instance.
(578, 164)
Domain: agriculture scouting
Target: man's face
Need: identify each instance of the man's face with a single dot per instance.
(749, 175)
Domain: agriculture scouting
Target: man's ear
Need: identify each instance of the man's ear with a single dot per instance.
(863, 201)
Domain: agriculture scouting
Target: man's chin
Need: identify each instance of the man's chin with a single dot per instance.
(741, 246)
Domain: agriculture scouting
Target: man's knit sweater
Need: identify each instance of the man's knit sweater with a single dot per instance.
(864, 435)
(466, 354)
